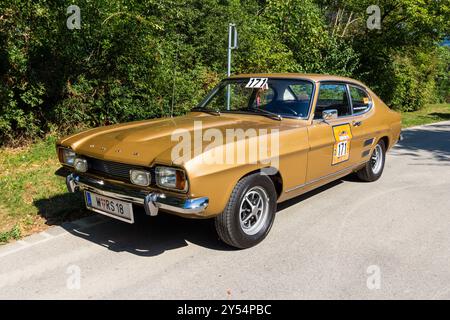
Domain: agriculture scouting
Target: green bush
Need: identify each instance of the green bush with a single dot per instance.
(443, 75)
(409, 92)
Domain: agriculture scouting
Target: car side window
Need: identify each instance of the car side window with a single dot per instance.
(302, 92)
(360, 100)
(333, 96)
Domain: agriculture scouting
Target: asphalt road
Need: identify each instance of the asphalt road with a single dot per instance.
(348, 240)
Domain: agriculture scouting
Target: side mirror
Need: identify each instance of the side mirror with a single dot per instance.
(329, 114)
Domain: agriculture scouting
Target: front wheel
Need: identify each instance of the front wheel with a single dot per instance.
(374, 168)
(249, 214)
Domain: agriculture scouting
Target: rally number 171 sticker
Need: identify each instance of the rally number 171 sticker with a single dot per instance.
(257, 83)
(342, 136)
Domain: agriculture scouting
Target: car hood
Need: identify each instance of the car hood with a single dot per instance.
(142, 142)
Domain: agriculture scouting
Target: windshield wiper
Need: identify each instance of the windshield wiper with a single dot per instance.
(272, 115)
(208, 111)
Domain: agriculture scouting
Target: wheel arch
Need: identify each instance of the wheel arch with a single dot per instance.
(385, 139)
(276, 178)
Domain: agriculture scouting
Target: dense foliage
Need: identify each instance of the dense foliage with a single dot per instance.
(128, 56)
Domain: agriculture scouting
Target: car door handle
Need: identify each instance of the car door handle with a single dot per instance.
(357, 123)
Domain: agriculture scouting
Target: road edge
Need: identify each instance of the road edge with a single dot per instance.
(50, 233)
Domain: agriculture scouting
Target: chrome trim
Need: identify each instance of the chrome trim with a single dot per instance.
(325, 177)
(348, 84)
(152, 201)
(71, 183)
(178, 205)
(253, 210)
(150, 205)
(351, 101)
(118, 196)
(376, 160)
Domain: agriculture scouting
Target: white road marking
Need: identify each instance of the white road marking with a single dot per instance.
(30, 271)
(47, 237)
(26, 245)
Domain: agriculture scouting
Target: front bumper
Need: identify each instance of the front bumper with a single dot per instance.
(152, 201)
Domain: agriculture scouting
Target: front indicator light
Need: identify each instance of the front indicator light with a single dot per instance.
(140, 177)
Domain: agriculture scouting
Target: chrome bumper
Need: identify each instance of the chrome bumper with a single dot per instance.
(152, 202)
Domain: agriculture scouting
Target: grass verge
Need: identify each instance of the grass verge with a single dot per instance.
(431, 113)
(32, 197)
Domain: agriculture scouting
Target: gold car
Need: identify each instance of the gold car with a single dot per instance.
(254, 141)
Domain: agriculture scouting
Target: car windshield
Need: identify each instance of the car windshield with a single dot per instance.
(283, 97)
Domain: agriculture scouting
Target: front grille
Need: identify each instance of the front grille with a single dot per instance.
(116, 170)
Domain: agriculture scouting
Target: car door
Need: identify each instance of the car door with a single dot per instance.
(362, 135)
(330, 140)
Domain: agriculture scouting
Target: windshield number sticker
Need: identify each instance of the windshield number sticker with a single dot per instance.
(257, 83)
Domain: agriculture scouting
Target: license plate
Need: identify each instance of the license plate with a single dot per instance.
(110, 207)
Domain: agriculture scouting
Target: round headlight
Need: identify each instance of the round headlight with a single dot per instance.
(140, 177)
(171, 178)
(80, 165)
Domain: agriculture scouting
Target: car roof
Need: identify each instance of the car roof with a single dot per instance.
(307, 76)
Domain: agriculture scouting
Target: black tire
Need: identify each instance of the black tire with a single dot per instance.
(372, 172)
(229, 225)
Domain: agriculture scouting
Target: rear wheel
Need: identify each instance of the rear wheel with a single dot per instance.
(249, 214)
(374, 167)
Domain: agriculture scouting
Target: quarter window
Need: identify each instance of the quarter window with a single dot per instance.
(332, 96)
(360, 100)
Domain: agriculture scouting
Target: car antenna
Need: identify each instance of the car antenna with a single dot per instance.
(174, 77)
